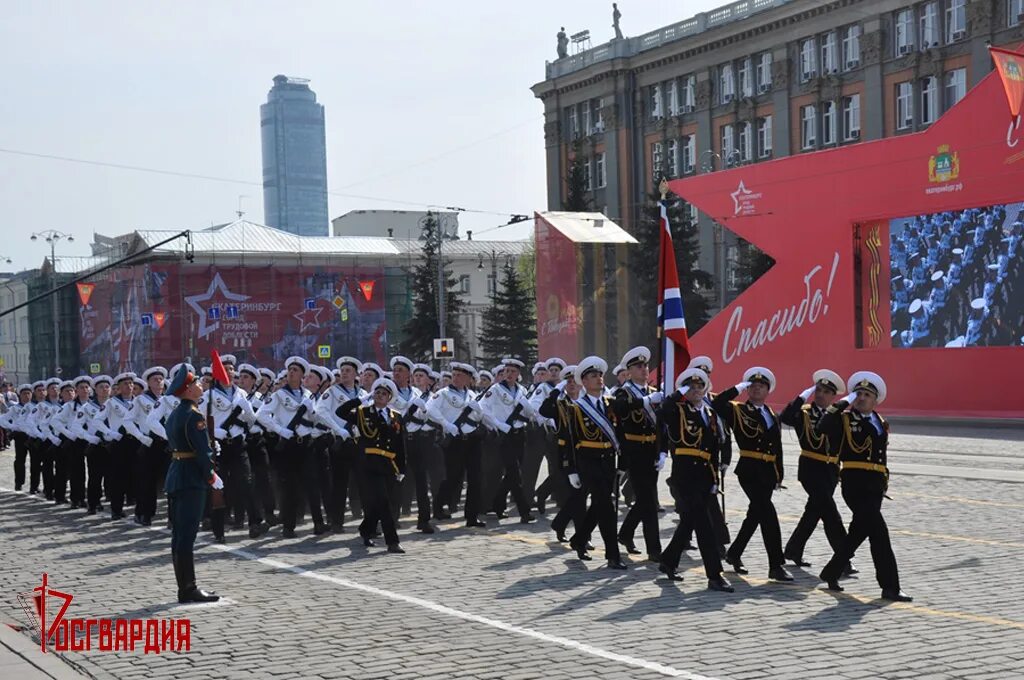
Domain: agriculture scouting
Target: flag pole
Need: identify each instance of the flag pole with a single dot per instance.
(660, 334)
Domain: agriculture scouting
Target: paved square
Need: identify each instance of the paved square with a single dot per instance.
(508, 602)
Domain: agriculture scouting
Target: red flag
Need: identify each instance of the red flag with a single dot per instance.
(367, 288)
(1011, 70)
(675, 352)
(219, 374)
(85, 292)
(159, 318)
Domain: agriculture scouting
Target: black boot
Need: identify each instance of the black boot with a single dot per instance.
(187, 590)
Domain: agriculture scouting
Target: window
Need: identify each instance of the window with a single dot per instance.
(574, 130)
(956, 20)
(929, 100)
(588, 178)
(764, 137)
(746, 142)
(747, 77)
(691, 213)
(654, 101)
(851, 47)
(851, 117)
(673, 157)
(726, 84)
(464, 283)
(656, 166)
(673, 98)
(689, 154)
(588, 129)
(764, 71)
(904, 105)
(956, 86)
(828, 53)
(1015, 12)
(808, 61)
(828, 123)
(728, 144)
(689, 93)
(599, 115)
(492, 285)
(929, 25)
(904, 31)
(602, 176)
(808, 126)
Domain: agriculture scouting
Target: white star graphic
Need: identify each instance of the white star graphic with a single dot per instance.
(217, 283)
(738, 195)
(304, 318)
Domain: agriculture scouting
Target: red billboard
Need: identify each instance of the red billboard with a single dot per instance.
(901, 256)
(558, 303)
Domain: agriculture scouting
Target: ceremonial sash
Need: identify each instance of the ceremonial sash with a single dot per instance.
(633, 389)
(599, 419)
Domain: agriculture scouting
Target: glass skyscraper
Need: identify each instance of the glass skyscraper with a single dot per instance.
(294, 159)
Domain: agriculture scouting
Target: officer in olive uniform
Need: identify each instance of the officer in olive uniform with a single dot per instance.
(188, 476)
(863, 437)
(759, 436)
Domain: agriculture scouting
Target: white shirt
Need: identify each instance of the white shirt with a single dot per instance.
(447, 405)
(280, 408)
(500, 401)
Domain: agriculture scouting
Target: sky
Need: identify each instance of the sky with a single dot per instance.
(426, 103)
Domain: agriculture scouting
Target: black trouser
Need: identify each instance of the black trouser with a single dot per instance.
(76, 470)
(97, 457)
(760, 513)
(715, 516)
(151, 463)
(417, 465)
(555, 484)
(377, 504)
(119, 473)
(820, 506)
(239, 490)
(695, 498)
(41, 462)
(260, 467)
(510, 450)
(597, 472)
(574, 509)
(462, 459)
(298, 473)
(490, 472)
(644, 476)
(343, 452)
(20, 457)
(320, 462)
(532, 459)
(58, 458)
(867, 522)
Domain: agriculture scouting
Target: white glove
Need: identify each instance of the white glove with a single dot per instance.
(216, 447)
(116, 436)
(217, 483)
(683, 390)
(220, 433)
(574, 480)
(419, 403)
(848, 398)
(284, 433)
(655, 397)
(451, 430)
(806, 394)
(662, 457)
(55, 441)
(146, 441)
(399, 477)
(504, 428)
(550, 422)
(714, 489)
(92, 439)
(344, 434)
(561, 386)
(742, 386)
(473, 405)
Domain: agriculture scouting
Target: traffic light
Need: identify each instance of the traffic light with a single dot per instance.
(444, 348)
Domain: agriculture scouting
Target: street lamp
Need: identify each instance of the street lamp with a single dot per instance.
(52, 236)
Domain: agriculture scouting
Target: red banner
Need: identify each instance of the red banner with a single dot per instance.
(159, 318)
(558, 304)
(1010, 66)
(367, 288)
(85, 292)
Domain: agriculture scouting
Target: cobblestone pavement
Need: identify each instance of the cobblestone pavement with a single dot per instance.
(508, 602)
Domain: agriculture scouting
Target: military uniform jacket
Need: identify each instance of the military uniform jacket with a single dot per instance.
(159, 414)
(594, 427)
(863, 442)
(500, 402)
(280, 409)
(448, 405)
(228, 404)
(186, 433)
(408, 401)
(381, 436)
(142, 406)
(637, 420)
(693, 441)
(121, 417)
(758, 435)
(819, 459)
(328, 404)
(43, 416)
(558, 408)
(95, 422)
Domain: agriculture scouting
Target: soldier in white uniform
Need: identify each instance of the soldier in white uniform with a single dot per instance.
(123, 452)
(13, 422)
(459, 415)
(408, 402)
(150, 460)
(509, 413)
(57, 462)
(554, 485)
(97, 454)
(320, 437)
(48, 442)
(255, 383)
(81, 410)
(343, 449)
(289, 412)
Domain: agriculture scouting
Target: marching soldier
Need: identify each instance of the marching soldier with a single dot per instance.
(456, 410)
(554, 485)
(595, 468)
(343, 448)
(48, 442)
(411, 408)
(819, 466)
(863, 438)
(693, 441)
(759, 437)
(97, 454)
(634, 403)
(423, 437)
(249, 381)
(13, 422)
(381, 441)
(289, 412)
(76, 419)
(189, 475)
(319, 380)
(58, 460)
(509, 412)
(124, 448)
(152, 458)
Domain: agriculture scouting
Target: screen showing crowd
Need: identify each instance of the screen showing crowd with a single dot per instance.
(957, 279)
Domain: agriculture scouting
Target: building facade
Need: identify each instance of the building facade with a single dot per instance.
(390, 223)
(294, 159)
(15, 341)
(757, 80)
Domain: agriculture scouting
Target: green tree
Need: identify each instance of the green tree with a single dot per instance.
(751, 264)
(576, 193)
(421, 329)
(644, 266)
(510, 323)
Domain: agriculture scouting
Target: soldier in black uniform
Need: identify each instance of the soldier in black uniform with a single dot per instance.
(819, 466)
(381, 441)
(189, 475)
(863, 437)
(635, 403)
(691, 428)
(759, 437)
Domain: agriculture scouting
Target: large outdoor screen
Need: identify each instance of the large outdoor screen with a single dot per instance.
(956, 278)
